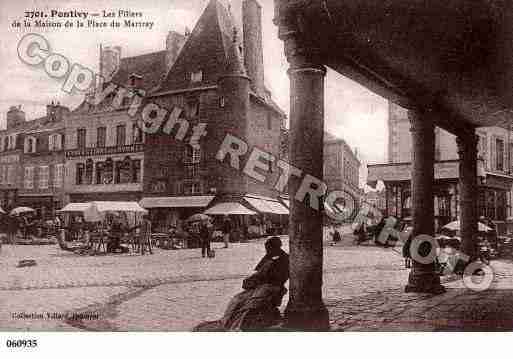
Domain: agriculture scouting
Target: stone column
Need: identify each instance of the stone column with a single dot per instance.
(305, 309)
(467, 150)
(423, 277)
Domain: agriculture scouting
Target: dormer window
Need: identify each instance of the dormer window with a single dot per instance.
(30, 144)
(197, 76)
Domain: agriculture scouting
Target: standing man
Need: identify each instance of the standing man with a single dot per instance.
(12, 228)
(204, 233)
(227, 230)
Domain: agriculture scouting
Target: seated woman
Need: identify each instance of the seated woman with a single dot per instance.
(256, 308)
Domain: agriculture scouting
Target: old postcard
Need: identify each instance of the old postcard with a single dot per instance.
(255, 165)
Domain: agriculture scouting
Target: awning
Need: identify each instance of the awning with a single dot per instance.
(176, 202)
(227, 208)
(104, 206)
(75, 207)
(266, 205)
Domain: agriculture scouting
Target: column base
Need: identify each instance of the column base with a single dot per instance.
(307, 318)
(424, 283)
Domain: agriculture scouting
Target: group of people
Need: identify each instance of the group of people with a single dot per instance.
(113, 229)
(24, 224)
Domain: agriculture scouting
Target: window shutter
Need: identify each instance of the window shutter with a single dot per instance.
(493, 154)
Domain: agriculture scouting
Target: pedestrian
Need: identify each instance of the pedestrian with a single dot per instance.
(336, 235)
(227, 230)
(205, 234)
(12, 229)
(145, 235)
(407, 251)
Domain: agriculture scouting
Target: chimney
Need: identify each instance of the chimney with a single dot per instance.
(253, 52)
(174, 43)
(56, 112)
(110, 60)
(15, 116)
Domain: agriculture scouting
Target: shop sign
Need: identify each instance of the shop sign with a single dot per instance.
(102, 151)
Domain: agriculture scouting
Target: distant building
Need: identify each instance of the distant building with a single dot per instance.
(341, 167)
(341, 164)
(10, 157)
(32, 170)
(495, 171)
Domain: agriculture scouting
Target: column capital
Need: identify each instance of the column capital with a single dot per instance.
(301, 49)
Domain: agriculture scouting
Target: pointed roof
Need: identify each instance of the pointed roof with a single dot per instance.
(211, 48)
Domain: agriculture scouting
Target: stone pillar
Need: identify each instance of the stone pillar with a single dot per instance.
(423, 277)
(467, 150)
(305, 309)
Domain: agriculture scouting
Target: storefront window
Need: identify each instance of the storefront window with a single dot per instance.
(104, 172)
(123, 171)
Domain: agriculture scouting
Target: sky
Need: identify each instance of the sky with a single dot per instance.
(352, 112)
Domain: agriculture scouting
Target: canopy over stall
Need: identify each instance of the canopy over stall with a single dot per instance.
(266, 204)
(176, 202)
(95, 211)
(75, 207)
(229, 208)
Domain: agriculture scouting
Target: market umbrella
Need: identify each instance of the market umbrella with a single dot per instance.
(455, 226)
(199, 217)
(20, 210)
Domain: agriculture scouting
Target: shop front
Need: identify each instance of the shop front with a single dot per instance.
(170, 211)
(495, 201)
(44, 206)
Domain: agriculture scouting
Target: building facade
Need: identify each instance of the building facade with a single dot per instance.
(216, 80)
(495, 171)
(10, 157)
(214, 75)
(341, 167)
(32, 160)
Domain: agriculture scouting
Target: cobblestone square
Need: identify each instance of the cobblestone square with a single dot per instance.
(175, 290)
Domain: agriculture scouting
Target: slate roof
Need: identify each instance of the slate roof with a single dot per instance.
(150, 66)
